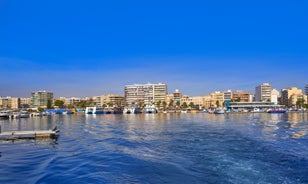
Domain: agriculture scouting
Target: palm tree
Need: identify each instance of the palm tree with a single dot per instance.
(184, 105)
(171, 103)
(178, 103)
(217, 103)
(191, 105)
(164, 104)
(158, 104)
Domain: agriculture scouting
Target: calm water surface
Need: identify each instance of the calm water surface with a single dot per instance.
(160, 148)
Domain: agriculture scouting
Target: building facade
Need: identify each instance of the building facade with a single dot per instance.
(306, 89)
(263, 92)
(41, 99)
(9, 102)
(145, 94)
(275, 95)
(112, 100)
(240, 96)
(228, 95)
(177, 95)
(217, 99)
(291, 95)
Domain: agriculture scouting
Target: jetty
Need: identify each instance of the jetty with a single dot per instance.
(35, 134)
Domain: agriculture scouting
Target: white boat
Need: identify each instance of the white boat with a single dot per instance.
(184, 111)
(89, 110)
(219, 111)
(39, 114)
(132, 110)
(257, 110)
(24, 114)
(4, 114)
(150, 109)
(16, 115)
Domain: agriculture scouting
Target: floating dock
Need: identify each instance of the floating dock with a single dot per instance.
(36, 134)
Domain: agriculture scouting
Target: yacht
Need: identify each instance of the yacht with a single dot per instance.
(89, 110)
(16, 115)
(132, 110)
(219, 111)
(98, 110)
(150, 109)
(24, 114)
(4, 115)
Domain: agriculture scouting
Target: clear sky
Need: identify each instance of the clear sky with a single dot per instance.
(86, 48)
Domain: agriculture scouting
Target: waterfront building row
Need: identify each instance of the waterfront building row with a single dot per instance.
(149, 94)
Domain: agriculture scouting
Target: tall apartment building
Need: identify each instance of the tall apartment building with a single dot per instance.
(306, 89)
(263, 92)
(291, 95)
(145, 93)
(9, 102)
(41, 98)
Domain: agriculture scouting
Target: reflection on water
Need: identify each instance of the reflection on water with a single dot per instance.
(159, 148)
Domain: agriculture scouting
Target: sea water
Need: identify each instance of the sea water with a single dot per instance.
(159, 148)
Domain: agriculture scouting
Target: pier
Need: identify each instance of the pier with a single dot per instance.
(35, 134)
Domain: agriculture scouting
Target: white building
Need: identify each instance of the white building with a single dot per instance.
(263, 92)
(145, 93)
(274, 96)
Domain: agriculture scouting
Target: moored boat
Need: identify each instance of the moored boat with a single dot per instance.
(89, 110)
(4, 115)
(219, 111)
(24, 114)
(276, 111)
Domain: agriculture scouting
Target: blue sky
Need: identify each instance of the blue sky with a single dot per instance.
(87, 48)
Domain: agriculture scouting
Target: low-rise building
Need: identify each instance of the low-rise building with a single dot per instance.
(291, 95)
(9, 102)
(240, 96)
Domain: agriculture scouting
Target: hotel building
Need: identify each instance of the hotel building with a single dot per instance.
(263, 92)
(41, 98)
(147, 94)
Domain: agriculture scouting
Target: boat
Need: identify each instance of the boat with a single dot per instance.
(257, 110)
(16, 115)
(98, 110)
(219, 111)
(150, 109)
(132, 110)
(117, 110)
(4, 115)
(68, 112)
(89, 110)
(39, 114)
(280, 111)
(24, 114)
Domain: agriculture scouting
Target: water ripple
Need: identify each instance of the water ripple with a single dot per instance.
(162, 148)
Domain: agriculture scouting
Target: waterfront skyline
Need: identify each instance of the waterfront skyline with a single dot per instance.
(76, 49)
